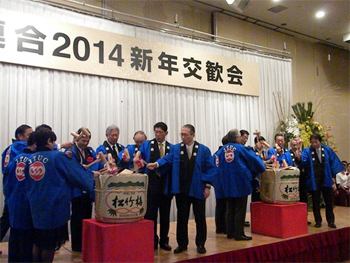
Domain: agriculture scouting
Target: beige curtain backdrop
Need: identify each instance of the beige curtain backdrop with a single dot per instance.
(66, 101)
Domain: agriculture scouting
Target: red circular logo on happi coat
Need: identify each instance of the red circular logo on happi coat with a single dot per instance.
(229, 155)
(7, 158)
(20, 171)
(37, 171)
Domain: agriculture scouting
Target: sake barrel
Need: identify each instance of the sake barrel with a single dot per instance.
(120, 199)
(280, 186)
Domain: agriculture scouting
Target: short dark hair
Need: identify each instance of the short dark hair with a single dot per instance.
(43, 126)
(316, 136)
(31, 139)
(21, 130)
(41, 138)
(260, 139)
(224, 139)
(161, 125)
(190, 127)
(279, 134)
(244, 132)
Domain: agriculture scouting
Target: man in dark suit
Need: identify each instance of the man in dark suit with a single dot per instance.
(82, 201)
(159, 184)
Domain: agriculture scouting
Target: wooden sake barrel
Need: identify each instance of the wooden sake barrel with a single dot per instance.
(280, 186)
(120, 198)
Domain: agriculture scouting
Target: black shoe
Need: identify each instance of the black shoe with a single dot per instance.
(201, 249)
(246, 223)
(243, 238)
(230, 237)
(165, 247)
(308, 223)
(332, 225)
(179, 249)
(318, 225)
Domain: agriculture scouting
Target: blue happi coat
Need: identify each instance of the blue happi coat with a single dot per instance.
(106, 149)
(235, 164)
(164, 171)
(332, 166)
(204, 170)
(11, 152)
(51, 177)
(15, 192)
(286, 156)
(95, 167)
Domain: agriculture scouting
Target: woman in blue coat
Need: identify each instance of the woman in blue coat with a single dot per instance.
(52, 176)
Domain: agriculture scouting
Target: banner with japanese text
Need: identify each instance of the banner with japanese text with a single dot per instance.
(47, 43)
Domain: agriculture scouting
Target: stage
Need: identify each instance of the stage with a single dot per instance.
(318, 245)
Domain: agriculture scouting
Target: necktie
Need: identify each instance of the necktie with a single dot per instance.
(189, 152)
(319, 154)
(83, 154)
(113, 148)
(161, 150)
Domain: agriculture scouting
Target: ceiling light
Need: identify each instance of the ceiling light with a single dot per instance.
(230, 2)
(320, 14)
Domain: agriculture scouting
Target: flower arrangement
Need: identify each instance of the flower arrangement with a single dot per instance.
(290, 128)
(301, 124)
(308, 126)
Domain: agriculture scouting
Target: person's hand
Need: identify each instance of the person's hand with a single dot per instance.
(66, 145)
(126, 155)
(152, 166)
(69, 154)
(206, 193)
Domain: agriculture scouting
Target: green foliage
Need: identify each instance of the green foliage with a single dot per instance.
(301, 113)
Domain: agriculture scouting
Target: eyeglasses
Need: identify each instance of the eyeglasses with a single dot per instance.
(185, 134)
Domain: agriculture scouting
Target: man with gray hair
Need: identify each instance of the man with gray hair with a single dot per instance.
(235, 165)
(111, 145)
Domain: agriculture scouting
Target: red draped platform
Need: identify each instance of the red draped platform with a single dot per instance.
(331, 246)
(278, 220)
(129, 242)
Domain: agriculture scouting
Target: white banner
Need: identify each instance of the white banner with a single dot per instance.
(30, 40)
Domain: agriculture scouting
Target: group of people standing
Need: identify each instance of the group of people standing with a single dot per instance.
(45, 188)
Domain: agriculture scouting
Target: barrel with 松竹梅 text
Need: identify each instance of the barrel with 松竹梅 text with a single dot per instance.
(280, 186)
(120, 198)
